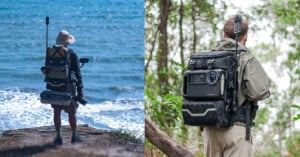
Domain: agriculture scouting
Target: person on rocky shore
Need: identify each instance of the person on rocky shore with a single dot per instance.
(62, 41)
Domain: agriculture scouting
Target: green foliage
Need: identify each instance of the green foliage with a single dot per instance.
(297, 117)
(262, 116)
(287, 11)
(125, 136)
(164, 110)
(287, 15)
(266, 53)
(293, 144)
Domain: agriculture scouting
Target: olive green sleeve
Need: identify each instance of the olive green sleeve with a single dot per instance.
(256, 81)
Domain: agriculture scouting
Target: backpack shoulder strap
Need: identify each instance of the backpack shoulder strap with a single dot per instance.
(57, 51)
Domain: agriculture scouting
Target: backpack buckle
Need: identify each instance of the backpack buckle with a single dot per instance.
(192, 62)
(209, 63)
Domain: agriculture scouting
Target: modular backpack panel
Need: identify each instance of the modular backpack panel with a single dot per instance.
(205, 113)
(57, 68)
(211, 80)
(208, 88)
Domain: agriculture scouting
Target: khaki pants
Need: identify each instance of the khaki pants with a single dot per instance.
(226, 142)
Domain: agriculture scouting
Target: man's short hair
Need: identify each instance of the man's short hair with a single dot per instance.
(229, 28)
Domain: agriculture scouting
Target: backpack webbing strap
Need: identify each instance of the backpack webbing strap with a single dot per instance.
(57, 50)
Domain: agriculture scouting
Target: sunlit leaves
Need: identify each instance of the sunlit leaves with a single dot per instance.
(297, 117)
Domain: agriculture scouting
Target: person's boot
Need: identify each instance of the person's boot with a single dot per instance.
(75, 139)
(58, 141)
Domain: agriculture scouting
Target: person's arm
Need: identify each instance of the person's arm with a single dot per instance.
(75, 66)
(256, 80)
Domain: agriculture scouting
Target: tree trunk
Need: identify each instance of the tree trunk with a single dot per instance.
(162, 56)
(163, 142)
(181, 13)
(194, 27)
(151, 51)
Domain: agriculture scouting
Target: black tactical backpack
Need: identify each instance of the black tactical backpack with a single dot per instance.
(208, 89)
(57, 68)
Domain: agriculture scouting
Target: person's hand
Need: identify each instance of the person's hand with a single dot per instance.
(80, 94)
(80, 98)
(43, 69)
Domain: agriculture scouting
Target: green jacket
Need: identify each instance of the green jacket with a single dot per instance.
(253, 82)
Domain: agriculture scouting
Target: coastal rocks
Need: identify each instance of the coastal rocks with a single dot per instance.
(38, 142)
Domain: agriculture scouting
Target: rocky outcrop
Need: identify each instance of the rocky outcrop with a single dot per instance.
(38, 142)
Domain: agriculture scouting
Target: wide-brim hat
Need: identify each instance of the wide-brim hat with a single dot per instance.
(65, 38)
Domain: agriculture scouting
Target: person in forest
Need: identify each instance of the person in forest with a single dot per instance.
(253, 86)
(62, 41)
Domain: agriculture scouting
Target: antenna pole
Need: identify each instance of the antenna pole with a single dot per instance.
(47, 23)
(237, 30)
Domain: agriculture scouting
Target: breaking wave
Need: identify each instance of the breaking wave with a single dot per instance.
(22, 109)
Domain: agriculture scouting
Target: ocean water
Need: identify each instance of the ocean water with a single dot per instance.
(108, 32)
